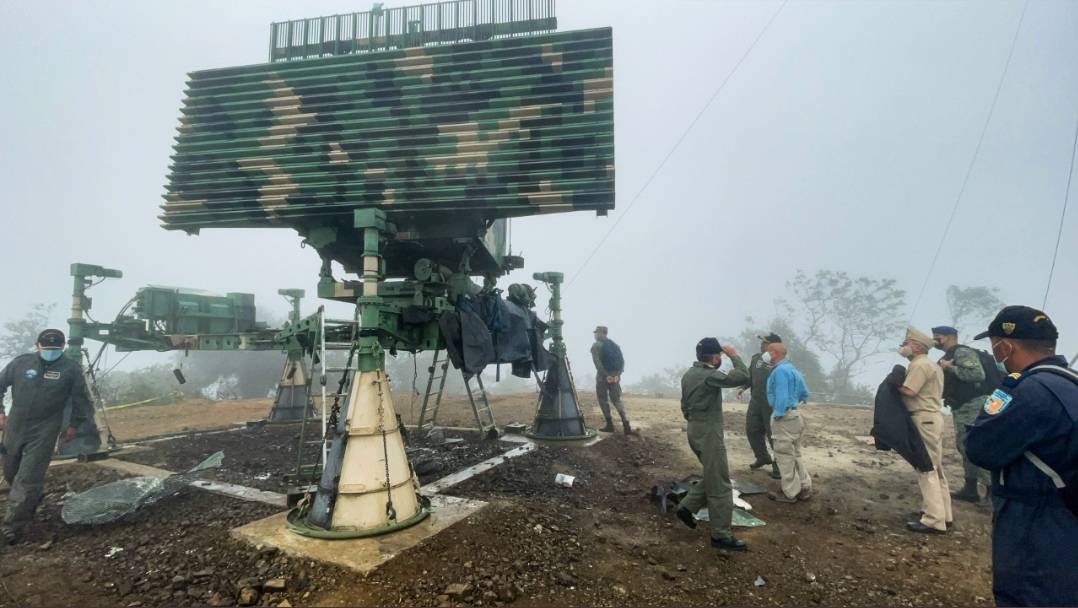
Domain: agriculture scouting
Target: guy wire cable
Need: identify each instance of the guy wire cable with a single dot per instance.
(677, 144)
(972, 162)
(1062, 217)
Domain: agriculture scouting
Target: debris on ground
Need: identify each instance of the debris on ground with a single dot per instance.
(115, 500)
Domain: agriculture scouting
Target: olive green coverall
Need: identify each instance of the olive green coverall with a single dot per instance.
(39, 393)
(701, 404)
(758, 414)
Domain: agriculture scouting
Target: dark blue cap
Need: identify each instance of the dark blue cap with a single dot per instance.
(51, 338)
(1021, 323)
(708, 346)
(945, 330)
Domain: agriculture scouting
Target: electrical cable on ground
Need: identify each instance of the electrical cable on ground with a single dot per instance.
(1062, 217)
(972, 163)
(677, 144)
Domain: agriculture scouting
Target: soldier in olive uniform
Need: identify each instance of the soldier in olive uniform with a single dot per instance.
(609, 365)
(41, 385)
(701, 404)
(965, 389)
(758, 415)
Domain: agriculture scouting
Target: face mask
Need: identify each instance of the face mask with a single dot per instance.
(1002, 363)
(906, 351)
(50, 355)
(939, 345)
(766, 357)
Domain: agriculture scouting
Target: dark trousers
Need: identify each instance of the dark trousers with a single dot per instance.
(28, 450)
(758, 430)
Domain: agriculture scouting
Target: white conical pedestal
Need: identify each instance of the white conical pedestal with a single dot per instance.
(361, 494)
(377, 491)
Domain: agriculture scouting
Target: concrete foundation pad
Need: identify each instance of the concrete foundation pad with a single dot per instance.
(364, 555)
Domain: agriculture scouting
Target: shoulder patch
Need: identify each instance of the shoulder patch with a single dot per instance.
(997, 402)
(1012, 380)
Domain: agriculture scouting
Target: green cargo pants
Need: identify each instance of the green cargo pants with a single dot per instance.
(28, 447)
(715, 490)
(758, 429)
(963, 416)
(606, 392)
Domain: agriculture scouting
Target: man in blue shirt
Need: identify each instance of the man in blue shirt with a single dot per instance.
(786, 391)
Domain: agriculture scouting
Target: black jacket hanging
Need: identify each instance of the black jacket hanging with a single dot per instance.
(893, 428)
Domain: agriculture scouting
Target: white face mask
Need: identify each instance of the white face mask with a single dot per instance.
(766, 358)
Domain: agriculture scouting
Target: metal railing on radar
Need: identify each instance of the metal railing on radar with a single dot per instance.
(383, 29)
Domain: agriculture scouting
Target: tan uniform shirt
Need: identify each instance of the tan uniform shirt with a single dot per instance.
(926, 379)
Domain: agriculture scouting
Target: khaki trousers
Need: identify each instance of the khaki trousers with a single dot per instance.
(935, 493)
(787, 432)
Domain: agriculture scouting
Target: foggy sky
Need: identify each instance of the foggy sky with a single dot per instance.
(840, 143)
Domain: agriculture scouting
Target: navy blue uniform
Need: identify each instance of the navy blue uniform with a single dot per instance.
(1034, 537)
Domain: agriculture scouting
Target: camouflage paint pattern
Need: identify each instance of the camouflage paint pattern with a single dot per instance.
(495, 129)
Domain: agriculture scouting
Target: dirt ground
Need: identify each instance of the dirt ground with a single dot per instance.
(601, 542)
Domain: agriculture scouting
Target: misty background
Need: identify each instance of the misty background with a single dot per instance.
(840, 144)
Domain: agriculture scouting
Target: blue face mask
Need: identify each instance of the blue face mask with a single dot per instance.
(50, 355)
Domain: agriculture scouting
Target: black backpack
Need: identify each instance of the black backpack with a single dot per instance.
(992, 376)
(611, 357)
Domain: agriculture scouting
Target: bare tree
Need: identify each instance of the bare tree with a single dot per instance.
(971, 306)
(19, 336)
(850, 318)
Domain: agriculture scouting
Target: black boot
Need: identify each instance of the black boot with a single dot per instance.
(686, 517)
(628, 429)
(609, 428)
(730, 544)
(968, 493)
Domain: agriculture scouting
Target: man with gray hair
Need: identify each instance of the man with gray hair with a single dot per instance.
(922, 394)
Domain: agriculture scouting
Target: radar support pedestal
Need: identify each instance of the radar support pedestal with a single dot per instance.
(558, 415)
(367, 485)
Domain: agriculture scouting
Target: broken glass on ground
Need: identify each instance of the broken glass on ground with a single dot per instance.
(115, 500)
(741, 519)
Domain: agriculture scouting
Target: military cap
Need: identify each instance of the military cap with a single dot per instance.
(51, 338)
(945, 330)
(771, 338)
(602, 328)
(918, 336)
(708, 346)
(1021, 323)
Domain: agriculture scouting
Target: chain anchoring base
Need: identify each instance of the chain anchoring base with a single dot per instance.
(368, 487)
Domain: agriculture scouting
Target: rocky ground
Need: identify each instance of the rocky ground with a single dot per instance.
(260, 456)
(601, 542)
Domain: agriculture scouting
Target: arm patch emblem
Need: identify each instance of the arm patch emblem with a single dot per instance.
(997, 402)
